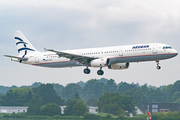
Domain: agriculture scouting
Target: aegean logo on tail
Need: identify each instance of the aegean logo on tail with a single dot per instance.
(25, 47)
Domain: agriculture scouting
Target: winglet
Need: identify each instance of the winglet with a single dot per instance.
(45, 49)
(51, 50)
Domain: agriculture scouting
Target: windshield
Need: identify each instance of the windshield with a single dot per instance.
(167, 47)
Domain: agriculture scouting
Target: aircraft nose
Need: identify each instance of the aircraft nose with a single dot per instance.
(175, 52)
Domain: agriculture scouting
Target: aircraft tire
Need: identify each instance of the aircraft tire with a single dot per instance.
(100, 72)
(87, 71)
(158, 67)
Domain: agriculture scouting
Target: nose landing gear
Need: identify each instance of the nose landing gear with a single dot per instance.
(158, 67)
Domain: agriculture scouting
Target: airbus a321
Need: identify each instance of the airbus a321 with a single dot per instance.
(116, 57)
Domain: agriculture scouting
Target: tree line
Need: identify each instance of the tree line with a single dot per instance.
(43, 100)
(91, 90)
(116, 99)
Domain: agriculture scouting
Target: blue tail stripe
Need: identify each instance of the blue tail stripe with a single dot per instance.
(20, 43)
(25, 49)
(18, 38)
(24, 54)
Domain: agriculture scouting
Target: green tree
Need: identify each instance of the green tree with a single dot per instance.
(81, 83)
(170, 90)
(128, 102)
(34, 106)
(176, 96)
(110, 101)
(79, 108)
(48, 94)
(177, 101)
(58, 88)
(36, 84)
(92, 102)
(103, 80)
(144, 89)
(17, 97)
(113, 108)
(92, 89)
(89, 116)
(50, 109)
(75, 107)
(176, 86)
(4, 89)
(138, 96)
(152, 95)
(76, 95)
(110, 86)
(155, 96)
(69, 91)
(123, 86)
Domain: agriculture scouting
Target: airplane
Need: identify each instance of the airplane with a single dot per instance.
(116, 57)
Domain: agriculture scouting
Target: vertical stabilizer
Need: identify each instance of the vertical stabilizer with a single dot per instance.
(23, 45)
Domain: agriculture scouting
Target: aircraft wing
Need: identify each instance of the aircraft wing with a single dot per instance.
(81, 59)
(20, 58)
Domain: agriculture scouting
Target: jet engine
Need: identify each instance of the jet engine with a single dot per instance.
(119, 66)
(102, 62)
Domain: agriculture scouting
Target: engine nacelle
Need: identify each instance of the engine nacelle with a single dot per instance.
(102, 62)
(119, 66)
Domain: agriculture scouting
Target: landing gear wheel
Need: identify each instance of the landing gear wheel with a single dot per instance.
(100, 72)
(158, 67)
(87, 71)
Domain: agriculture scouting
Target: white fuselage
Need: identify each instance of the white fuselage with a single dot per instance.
(116, 54)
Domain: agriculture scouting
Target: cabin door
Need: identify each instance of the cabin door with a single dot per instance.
(154, 50)
(36, 58)
(120, 52)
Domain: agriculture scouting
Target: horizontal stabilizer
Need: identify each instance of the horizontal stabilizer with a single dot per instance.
(20, 58)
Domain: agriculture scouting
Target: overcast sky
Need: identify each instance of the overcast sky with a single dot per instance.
(74, 24)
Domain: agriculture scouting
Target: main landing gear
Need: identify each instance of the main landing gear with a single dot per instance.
(99, 72)
(87, 70)
(158, 67)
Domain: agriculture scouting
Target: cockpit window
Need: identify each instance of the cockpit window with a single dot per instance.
(167, 47)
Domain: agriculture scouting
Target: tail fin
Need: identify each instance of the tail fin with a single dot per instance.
(23, 45)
